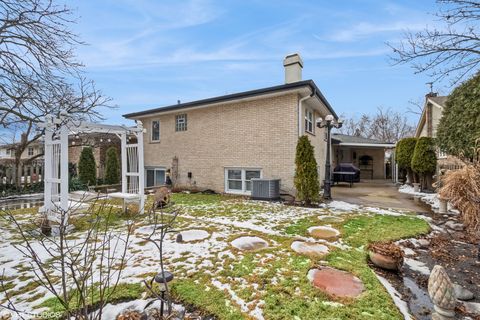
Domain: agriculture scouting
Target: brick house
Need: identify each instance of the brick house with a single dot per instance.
(221, 143)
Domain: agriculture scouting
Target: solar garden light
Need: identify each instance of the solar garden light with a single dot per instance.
(163, 278)
(328, 124)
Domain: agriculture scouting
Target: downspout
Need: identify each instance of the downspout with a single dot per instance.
(300, 111)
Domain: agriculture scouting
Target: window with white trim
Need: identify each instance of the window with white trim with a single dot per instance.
(181, 122)
(155, 177)
(309, 121)
(238, 180)
(155, 130)
(30, 151)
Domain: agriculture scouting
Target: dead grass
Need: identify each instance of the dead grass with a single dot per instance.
(462, 189)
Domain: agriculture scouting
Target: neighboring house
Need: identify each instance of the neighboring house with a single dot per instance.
(369, 155)
(99, 142)
(427, 127)
(221, 143)
(31, 163)
(7, 151)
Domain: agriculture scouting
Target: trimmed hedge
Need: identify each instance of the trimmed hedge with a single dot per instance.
(459, 128)
(424, 160)
(404, 152)
(87, 168)
(306, 174)
(112, 166)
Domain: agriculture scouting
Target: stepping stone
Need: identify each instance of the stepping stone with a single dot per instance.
(309, 248)
(322, 232)
(194, 235)
(336, 283)
(249, 243)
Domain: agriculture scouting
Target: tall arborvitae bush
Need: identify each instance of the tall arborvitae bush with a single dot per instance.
(306, 174)
(403, 155)
(458, 131)
(112, 167)
(424, 161)
(87, 168)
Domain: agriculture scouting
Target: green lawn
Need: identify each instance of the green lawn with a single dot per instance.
(232, 284)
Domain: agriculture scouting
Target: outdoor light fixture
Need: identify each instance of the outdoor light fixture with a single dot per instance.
(162, 279)
(328, 123)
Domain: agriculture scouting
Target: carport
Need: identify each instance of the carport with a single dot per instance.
(374, 158)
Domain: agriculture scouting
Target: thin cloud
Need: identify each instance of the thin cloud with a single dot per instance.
(365, 29)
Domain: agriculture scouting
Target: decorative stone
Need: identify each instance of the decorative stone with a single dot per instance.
(309, 248)
(323, 232)
(462, 293)
(454, 225)
(193, 235)
(249, 243)
(336, 283)
(442, 294)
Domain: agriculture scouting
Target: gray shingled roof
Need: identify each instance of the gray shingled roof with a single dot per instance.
(355, 139)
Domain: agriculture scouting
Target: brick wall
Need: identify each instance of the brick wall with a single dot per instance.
(262, 134)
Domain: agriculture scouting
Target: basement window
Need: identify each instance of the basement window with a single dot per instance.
(181, 122)
(309, 121)
(238, 180)
(155, 177)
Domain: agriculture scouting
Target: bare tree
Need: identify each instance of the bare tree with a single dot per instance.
(385, 125)
(73, 271)
(40, 75)
(451, 51)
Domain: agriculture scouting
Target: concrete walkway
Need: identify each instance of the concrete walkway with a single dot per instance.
(377, 193)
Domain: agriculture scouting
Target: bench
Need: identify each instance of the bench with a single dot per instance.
(127, 198)
(343, 176)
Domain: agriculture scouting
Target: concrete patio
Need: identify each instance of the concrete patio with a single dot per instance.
(377, 193)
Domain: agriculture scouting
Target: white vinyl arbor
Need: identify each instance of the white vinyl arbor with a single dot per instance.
(56, 176)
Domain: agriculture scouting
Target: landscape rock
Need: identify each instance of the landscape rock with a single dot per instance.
(324, 232)
(309, 248)
(423, 243)
(249, 243)
(462, 293)
(454, 225)
(472, 307)
(336, 283)
(193, 235)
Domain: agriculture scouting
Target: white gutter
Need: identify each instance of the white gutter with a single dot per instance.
(300, 112)
(352, 144)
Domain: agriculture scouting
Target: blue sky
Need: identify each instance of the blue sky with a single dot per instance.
(151, 53)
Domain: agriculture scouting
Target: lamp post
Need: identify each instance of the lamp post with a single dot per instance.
(162, 279)
(328, 124)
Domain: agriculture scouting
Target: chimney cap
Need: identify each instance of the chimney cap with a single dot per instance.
(292, 59)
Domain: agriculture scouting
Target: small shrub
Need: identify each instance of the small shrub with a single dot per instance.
(112, 167)
(424, 160)
(87, 168)
(306, 174)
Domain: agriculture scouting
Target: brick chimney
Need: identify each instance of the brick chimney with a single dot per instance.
(293, 68)
(429, 113)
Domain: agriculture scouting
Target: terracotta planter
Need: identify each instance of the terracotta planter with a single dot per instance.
(384, 261)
